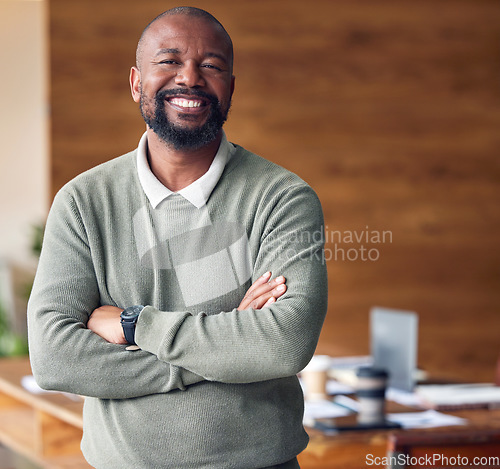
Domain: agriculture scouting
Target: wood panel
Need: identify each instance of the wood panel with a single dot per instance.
(388, 108)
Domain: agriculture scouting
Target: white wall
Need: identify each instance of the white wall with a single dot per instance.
(24, 128)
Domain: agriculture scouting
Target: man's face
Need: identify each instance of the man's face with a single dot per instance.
(184, 83)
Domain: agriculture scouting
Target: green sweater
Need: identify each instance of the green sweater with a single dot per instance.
(211, 387)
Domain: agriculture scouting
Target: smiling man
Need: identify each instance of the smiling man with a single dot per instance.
(182, 286)
(190, 114)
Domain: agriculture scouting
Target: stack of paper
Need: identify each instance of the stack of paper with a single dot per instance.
(459, 396)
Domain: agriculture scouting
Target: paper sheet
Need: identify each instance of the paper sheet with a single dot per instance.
(425, 419)
(323, 409)
(28, 382)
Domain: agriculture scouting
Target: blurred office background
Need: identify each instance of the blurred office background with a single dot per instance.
(389, 109)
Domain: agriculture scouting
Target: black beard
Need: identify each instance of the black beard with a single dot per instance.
(178, 137)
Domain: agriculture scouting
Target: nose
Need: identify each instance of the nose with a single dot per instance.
(189, 75)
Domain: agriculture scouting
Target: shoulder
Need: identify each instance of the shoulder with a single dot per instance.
(103, 184)
(262, 177)
(108, 174)
(260, 171)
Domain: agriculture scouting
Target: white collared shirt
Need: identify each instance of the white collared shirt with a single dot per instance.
(198, 191)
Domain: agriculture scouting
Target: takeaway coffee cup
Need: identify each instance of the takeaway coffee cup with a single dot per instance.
(315, 377)
(370, 391)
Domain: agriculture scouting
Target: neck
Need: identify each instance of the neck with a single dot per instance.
(176, 169)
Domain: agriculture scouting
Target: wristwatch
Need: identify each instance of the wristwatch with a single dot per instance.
(128, 319)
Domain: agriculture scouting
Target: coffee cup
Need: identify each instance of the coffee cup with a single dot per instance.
(370, 392)
(315, 377)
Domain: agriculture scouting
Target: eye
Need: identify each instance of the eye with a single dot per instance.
(211, 66)
(168, 62)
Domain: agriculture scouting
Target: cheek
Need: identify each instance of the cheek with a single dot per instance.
(147, 105)
(146, 101)
(149, 91)
(224, 97)
(155, 82)
(220, 86)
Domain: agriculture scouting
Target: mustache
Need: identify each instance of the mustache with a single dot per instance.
(161, 95)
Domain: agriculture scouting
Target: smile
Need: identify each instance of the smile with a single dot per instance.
(185, 103)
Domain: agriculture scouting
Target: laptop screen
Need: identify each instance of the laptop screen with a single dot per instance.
(393, 339)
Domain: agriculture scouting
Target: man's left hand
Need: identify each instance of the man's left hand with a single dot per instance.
(105, 321)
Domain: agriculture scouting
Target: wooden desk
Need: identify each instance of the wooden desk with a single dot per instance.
(349, 450)
(47, 429)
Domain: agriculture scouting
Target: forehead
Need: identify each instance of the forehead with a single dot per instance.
(184, 32)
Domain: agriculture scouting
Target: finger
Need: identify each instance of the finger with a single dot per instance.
(262, 280)
(266, 288)
(258, 302)
(261, 291)
(250, 293)
(270, 301)
(279, 291)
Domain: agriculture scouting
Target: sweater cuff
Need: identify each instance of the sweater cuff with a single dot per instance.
(155, 330)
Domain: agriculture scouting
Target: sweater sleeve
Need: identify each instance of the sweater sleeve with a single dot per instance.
(64, 354)
(256, 345)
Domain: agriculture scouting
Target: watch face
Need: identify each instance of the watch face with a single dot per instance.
(132, 312)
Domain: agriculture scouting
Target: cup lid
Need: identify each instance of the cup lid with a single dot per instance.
(319, 363)
(371, 372)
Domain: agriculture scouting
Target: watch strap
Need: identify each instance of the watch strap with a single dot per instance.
(129, 331)
(128, 321)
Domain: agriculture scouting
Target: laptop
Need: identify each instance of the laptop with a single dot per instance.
(393, 341)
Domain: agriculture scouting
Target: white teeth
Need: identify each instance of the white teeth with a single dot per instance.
(185, 102)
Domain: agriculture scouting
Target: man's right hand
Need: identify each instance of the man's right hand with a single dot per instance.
(263, 292)
(105, 321)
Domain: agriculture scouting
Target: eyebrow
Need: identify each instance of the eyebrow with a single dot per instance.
(177, 51)
(167, 51)
(216, 56)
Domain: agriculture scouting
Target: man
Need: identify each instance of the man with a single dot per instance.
(171, 247)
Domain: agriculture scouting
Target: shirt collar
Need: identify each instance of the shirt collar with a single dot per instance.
(198, 191)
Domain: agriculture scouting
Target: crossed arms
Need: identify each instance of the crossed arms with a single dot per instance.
(271, 334)
(105, 320)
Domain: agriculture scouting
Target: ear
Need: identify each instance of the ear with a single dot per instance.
(233, 79)
(135, 84)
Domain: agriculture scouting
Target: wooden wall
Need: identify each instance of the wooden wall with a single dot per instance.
(390, 109)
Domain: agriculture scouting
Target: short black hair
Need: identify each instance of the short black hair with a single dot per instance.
(188, 11)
